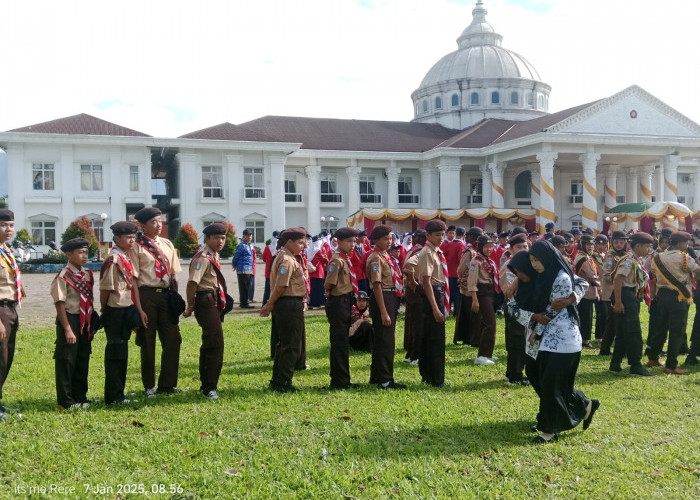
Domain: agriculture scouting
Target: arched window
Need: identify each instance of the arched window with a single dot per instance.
(514, 98)
(475, 99)
(523, 185)
(540, 101)
(438, 102)
(425, 106)
(530, 101)
(495, 98)
(455, 100)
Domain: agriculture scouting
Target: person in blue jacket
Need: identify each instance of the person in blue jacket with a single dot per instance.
(243, 265)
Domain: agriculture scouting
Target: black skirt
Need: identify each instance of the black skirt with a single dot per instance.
(561, 406)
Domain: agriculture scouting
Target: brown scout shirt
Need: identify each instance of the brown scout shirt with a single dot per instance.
(8, 288)
(286, 271)
(463, 270)
(605, 276)
(145, 264)
(589, 272)
(113, 281)
(378, 269)
(63, 292)
(430, 264)
(507, 280)
(673, 261)
(338, 275)
(409, 268)
(478, 275)
(202, 270)
(627, 270)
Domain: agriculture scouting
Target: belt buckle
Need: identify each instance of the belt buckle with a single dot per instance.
(158, 290)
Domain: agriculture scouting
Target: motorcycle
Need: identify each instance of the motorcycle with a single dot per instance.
(22, 252)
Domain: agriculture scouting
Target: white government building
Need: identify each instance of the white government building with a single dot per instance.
(481, 139)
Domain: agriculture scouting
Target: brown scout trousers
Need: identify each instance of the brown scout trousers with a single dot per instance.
(211, 353)
(384, 346)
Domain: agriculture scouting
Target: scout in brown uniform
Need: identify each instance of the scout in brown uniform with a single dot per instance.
(432, 276)
(482, 289)
(618, 249)
(385, 282)
(674, 270)
(11, 293)
(601, 317)
(121, 309)
(207, 297)
(586, 267)
(515, 332)
(341, 287)
(629, 284)
(413, 319)
(656, 332)
(155, 264)
(467, 326)
(71, 291)
(286, 303)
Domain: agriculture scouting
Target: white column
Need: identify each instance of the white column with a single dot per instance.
(671, 177)
(645, 178)
(234, 178)
(313, 213)
(659, 184)
(610, 187)
(547, 160)
(67, 173)
(117, 210)
(486, 182)
(392, 174)
(632, 177)
(145, 176)
(275, 194)
(696, 195)
(589, 212)
(353, 173)
(426, 199)
(190, 181)
(449, 182)
(18, 181)
(535, 195)
(497, 192)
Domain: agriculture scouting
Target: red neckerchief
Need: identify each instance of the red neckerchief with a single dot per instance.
(304, 264)
(75, 280)
(353, 276)
(12, 263)
(395, 273)
(447, 281)
(162, 265)
(219, 285)
(125, 268)
(490, 268)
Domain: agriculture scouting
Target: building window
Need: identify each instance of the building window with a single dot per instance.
(576, 193)
(523, 186)
(438, 103)
(576, 224)
(253, 183)
(43, 232)
(367, 190)
(290, 189)
(257, 227)
(134, 178)
(328, 189)
(621, 199)
(476, 189)
(97, 225)
(212, 182)
(495, 98)
(455, 100)
(406, 190)
(42, 176)
(530, 100)
(514, 98)
(425, 105)
(91, 177)
(474, 99)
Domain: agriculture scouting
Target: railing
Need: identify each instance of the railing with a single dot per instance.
(575, 199)
(253, 193)
(293, 198)
(212, 192)
(409, 199)
(331, 198)
(370, 198)
(473, 199)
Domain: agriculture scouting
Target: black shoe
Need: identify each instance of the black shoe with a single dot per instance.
(392, 385)
(246, 306)
(640, 370)
(278, 387)
(691, 360)
(604, 353)
(169, 390)
(540, 440)
(615, 367)
(534, 428)
(595, 404)
(342, 387)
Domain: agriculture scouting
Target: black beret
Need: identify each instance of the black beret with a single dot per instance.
(362, 233)
(146, 214)
(518, 230)
(588, 230)
(460, 231)
(517, 239)
(680, 236)
(601, 238)
(558, 241)
(451, 228)
(293, 233)
(436, 225)
(640, 238)
(476, 231)
(215, 229)
(346, 232)
(666, 232)
(75, 244)
(124, 227)
(533, 233)
(619, 235)
(568, 236)
(484, 240)
(575, 231)
(548, 225)
(548, 235)
(586, 238)
(379, 232)
(362, 295)
(6, 215)
(504, 234)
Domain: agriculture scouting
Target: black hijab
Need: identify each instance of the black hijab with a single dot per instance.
(525, 294)
(553, 262)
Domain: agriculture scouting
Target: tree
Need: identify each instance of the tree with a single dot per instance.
(186, 241)
(23, 235)
(231, 242)
(82, 228)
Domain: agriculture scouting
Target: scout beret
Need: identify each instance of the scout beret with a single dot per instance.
(568, 236)
(452, 228)
(75, 244)
(476, 231)
(586, 238)
(6, 215)
(680, 237)
(558, 241)
(460, 231)
(362, 295)
(548, 225)
(588, 230)
(504, 234)
(666, 232)
(435, 226)
(146, 214)
(217, 228)
(517, 239)
(619, 235)
(346, 232)
(484, 240)
(124, 227)
(362, 233)
(293, 233)
(379, 232)
(518, 230)
(324, 233)
(533, 233)
(548, 235)
(641, 238)
(601, 238)
(575, 231)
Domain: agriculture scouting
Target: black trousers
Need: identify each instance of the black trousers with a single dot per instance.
(413, 324)
(72, 363)
(455, 296)
(363, 337)
(432, 359)
(561, 406)
(211, 352)
(657, 333)
(266, 293)
(487, 320)
(695, 333)
(156, 305)
(317, 297)
(118, 327)
(585, 312)
(601, 318)
(672, 318)
(243, 287)
(609, 329)
(628, 338)
(288, 315)
(384, 345)
(466, 321)
(515, 348)
(339, 314)
(8, 316)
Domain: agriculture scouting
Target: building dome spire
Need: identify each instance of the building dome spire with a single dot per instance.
(479, 32)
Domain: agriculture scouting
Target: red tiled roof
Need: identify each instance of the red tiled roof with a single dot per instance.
(81, 124)
(352, 135)
(228, 132)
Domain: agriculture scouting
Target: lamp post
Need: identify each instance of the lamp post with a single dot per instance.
(103, 218)
(328, 221)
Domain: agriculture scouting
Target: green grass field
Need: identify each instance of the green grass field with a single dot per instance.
(470, 440)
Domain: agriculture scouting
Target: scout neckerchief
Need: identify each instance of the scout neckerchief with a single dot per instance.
(579, 265)
(10, 261)
(599, 258)
(490, 268)
(353, 276)
(395, 274)
(162, 265)
(641, 276)
(125, 268)
(447, 280)
(683, 294)
(75, 280)
(304, 264)
(220, 282)
(567, 259)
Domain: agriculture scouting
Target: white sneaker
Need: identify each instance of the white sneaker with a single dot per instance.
(212, 395)
(406, 360)
(493, 358)
(482, 361)
(415, 362)
(150, 393)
